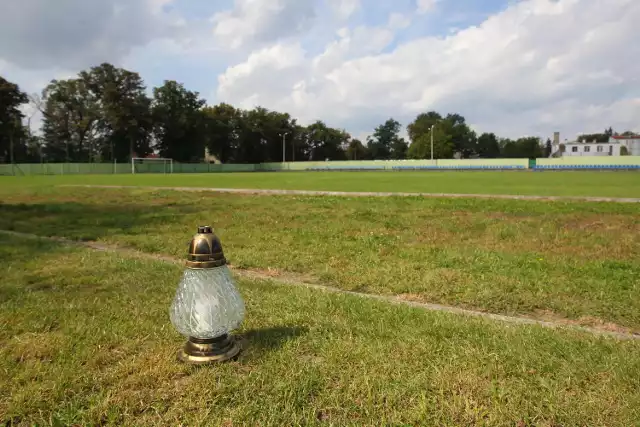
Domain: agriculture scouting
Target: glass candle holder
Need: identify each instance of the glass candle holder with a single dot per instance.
(207, 305)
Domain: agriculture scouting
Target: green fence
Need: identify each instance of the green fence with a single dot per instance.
(590, 162)
(64, 169)
(604, 162)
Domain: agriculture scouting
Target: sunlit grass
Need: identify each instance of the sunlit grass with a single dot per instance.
(579, 261)
(86, 340)
(548, 183)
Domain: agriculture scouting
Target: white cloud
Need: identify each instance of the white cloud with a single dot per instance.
(424, 6)
(255, 22)
(45, 34)
(536, 67)
(398, 21)
(343, 9)
(278, 65)
(283, 77)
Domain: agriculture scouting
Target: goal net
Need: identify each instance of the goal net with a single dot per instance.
(152, 165)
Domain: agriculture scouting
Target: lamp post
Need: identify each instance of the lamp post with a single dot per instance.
(283, 135)
(207, 306)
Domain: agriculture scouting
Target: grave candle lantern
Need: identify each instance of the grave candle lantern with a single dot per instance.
(207, 306)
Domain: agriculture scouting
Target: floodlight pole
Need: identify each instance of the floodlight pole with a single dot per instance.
(284, 136)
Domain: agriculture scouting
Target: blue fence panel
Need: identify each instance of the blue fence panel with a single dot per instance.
(583, 167)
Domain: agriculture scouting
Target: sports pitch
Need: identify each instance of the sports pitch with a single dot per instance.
(86, 337)
(540, 183)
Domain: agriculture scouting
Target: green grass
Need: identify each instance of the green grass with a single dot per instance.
(583, 183)
(549, 260)
(86, 340)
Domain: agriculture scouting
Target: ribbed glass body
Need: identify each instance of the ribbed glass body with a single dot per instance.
(207, 303)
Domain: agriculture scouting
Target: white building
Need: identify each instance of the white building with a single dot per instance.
(631, 142)
(614, 147)
(578, 148)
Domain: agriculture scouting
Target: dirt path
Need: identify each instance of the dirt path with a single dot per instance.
(299, 280)
(370, 194)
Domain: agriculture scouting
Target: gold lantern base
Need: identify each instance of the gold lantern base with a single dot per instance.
(199, 351)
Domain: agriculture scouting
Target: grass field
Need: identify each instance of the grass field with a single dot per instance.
(556, 259)
(551, 183)
(85, 336)
(86, 340)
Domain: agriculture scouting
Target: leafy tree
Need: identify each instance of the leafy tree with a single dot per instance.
(442, 146)
(70, 124)
(399, 149)
(548, 149)
(179, 123)
(252, 141)
(463, 138)
(488, 146)
(508, 148)
(125, 121)
(385, 142)
(529, 147)
(422, 125)
(454, 125)
(323, 142)
(597, 137)
(12, 132)
(261, 133)
(356, 150)
(103, 114)
(255, 136)
(221, 132)
(278, 128)
(34, 149)
(299, 143)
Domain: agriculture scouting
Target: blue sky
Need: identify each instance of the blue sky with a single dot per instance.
(527, 67)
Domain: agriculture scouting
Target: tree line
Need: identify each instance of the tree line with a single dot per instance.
(105, 114)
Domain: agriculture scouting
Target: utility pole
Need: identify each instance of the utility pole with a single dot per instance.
(284, 136)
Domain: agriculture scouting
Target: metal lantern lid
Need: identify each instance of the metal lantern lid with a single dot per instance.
(205, 250)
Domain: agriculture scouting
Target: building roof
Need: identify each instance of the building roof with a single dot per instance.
(589, 142)
(626, 137)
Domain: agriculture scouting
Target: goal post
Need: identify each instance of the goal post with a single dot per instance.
(151, 165)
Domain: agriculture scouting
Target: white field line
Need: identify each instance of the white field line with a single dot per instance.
(250, 274)
(367, 193)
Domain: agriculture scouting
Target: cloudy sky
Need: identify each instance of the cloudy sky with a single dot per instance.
(516, 68)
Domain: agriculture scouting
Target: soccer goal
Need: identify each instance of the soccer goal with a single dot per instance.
(151, 165)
